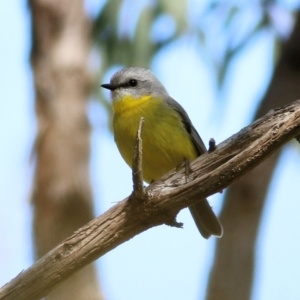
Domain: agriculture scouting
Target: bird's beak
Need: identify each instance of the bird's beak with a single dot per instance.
(108, 86)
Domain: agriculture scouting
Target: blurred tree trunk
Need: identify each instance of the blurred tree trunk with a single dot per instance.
(62, 194)
(232, 273)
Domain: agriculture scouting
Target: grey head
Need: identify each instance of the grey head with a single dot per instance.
(136, 82)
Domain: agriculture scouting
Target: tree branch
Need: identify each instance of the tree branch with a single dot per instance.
(166, 197)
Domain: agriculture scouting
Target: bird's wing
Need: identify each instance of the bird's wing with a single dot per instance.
(207, 222)
(200, 146)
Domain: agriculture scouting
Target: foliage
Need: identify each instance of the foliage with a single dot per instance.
(131, 37)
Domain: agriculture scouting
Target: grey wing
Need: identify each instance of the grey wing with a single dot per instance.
(207, 222)
(188, 125)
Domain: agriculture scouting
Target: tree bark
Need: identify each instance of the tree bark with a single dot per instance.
(232, 273)
(62, 195)
(160, 203)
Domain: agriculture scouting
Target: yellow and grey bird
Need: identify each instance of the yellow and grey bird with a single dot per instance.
(169, 137)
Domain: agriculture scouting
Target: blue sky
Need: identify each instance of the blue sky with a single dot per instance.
(163, 262)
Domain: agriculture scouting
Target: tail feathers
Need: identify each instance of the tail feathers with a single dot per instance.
(207, 222)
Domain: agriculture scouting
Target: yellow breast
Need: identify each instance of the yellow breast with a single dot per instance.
(166, 143)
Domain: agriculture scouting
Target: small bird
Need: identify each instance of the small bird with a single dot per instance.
(169, 137)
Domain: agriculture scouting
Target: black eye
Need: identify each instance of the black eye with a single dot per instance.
(132, 82)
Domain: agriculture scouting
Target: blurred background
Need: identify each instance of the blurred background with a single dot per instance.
(226, 62)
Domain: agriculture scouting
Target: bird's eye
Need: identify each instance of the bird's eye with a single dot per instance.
(132, 82)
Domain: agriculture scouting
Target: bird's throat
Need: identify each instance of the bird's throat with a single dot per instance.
(128, 103)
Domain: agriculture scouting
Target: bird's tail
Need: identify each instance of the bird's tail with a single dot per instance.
(207, 222)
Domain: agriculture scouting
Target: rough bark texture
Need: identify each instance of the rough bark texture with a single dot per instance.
(62, 193)
(233, 269)
(160, 205)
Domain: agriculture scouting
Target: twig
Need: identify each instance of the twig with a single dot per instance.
(137, 171)
(212, 145)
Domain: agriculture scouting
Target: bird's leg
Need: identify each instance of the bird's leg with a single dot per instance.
(186, 164)
(188, 169)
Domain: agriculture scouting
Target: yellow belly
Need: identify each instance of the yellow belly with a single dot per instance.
(166, 142)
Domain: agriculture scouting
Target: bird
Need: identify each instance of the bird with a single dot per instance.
(169, 137)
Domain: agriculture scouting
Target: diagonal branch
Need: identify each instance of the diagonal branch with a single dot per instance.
(166, 197)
